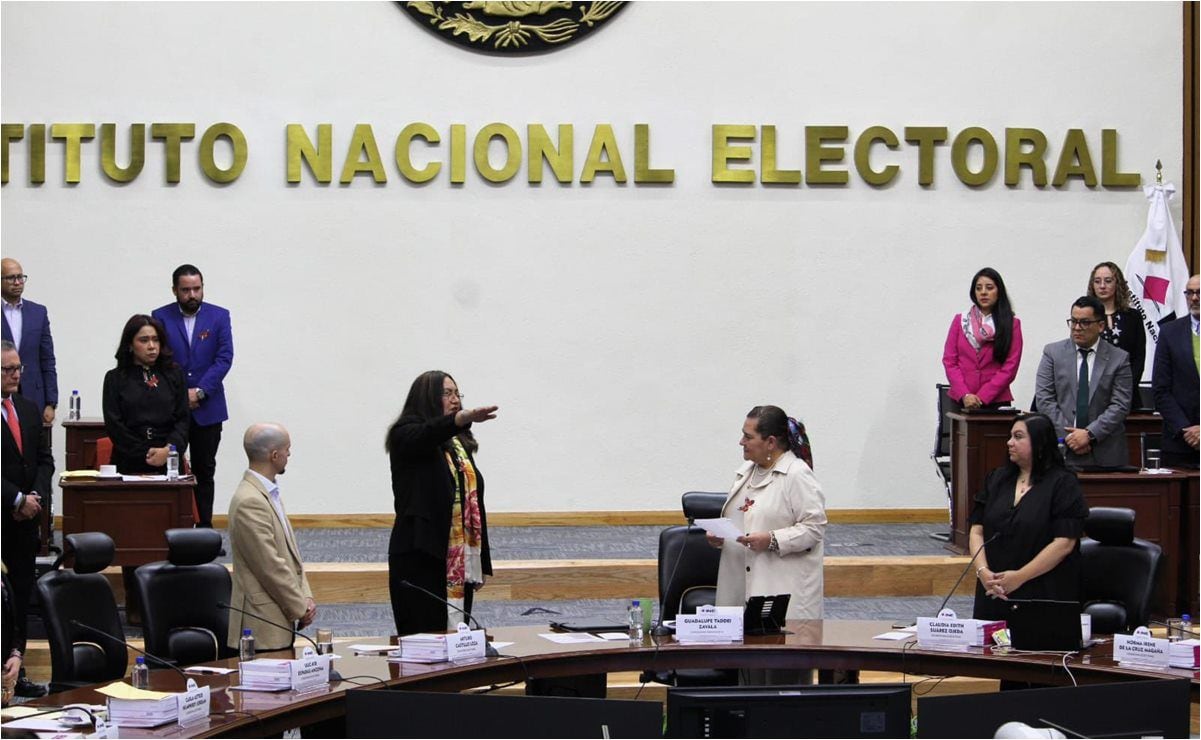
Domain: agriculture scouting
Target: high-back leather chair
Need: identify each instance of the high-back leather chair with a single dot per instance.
(82, 595)
(688, 579)
(703, 504)
(181, 619)
(1119, 571)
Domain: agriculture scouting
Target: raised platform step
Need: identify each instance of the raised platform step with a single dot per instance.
(367, 583)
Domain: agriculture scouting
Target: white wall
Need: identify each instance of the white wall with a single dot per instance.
(624, 331)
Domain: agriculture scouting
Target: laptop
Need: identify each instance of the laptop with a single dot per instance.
(1044, 624)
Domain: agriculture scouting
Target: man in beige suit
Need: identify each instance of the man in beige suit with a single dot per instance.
(268, 574)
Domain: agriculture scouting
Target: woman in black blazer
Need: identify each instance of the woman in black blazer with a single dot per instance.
(1123, 325)
(439, 540)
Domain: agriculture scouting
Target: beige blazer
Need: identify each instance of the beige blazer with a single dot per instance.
(790, 503)
(268, 575)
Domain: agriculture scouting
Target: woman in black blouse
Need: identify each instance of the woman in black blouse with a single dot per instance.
(1123, 325)
(439, 540)
(145, 399)
(1027, 519)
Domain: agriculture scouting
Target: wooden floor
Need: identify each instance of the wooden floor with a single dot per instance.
(367, 583)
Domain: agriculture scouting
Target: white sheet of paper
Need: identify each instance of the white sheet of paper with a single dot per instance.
(363, 647)
(571, 638)
(722, 527)
(210, 669)
(895, 635)
(613, 635)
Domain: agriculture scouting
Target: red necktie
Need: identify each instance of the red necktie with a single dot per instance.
(14, 425)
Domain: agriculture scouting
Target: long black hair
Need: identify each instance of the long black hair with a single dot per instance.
(1002, 313)
(425, 400)
(1044, 445)
(124, 354)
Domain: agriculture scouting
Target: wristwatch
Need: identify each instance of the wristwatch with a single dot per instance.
(200, 394)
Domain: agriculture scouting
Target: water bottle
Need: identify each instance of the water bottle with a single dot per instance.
(172, 463)
(75, 409)
(246, 645)
(140, 678)
(1186, 627)
(635, 620)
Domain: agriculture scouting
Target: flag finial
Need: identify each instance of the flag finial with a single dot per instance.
(1158, 172)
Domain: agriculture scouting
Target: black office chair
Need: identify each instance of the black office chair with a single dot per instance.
(179, 596)
(703, 504)
(1120, 571)
(688, 579)
(941, 455)
(82, 594)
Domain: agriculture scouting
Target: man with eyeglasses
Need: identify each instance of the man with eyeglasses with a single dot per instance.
(1083, 385)
(25, 467)
(27, 326)
(1175, 380)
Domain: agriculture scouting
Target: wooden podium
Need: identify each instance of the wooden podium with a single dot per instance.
(134, 513)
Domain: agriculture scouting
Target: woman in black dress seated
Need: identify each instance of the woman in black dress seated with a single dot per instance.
(145, 399)
(1027, 519)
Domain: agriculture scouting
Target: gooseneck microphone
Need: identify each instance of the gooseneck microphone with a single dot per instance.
(333, 675)
(223, 605)
(966, 568)
(114, 638)
(489, 651)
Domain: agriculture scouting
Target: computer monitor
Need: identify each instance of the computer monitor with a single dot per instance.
(420, 714)
(1152, 708)
(851, 710)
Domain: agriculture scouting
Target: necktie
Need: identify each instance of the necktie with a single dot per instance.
(14, 425)
(1082, 391)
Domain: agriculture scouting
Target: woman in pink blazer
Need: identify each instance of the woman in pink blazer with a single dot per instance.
(984, 346)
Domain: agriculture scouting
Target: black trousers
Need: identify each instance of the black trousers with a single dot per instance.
(413, 610)
(203, 441)
(20, 553)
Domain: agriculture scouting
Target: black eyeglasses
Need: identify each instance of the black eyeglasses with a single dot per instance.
(14, 278)
(1082, 323)
(13, 369)
(1192, 293)
(452, 394)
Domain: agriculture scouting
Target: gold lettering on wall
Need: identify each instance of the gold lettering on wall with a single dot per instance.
(108, 152)
(742, 154)
(319, 159)
(237, 143)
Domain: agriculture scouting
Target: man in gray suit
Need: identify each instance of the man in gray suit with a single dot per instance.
(1084, 387)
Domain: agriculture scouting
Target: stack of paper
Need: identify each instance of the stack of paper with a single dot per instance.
(130, 707)
(266, 674)
(423, 648)
(1184, 654)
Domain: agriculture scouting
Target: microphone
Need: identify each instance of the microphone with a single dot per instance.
(489, 651)
(970, 561)
(114, 638)
(659, 630)
(333, 675)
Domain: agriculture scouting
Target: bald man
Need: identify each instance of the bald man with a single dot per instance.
(268, 574)
(27, 326)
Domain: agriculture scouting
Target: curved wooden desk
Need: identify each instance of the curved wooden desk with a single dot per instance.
(811, 644)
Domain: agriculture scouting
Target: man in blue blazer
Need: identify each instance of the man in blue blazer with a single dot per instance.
(27, 326)
(200, 337)
(1174, 379)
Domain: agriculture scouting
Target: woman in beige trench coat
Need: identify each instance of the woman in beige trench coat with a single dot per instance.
(777, 501)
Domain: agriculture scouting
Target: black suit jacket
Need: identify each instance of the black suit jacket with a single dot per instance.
(1174, 380)
(24, 472)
